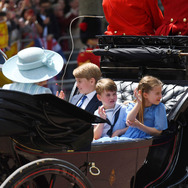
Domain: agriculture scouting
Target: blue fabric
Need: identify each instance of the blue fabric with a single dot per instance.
(121, 121)
(154, 116)
(82, 101)
(93, 104)
(116, 139)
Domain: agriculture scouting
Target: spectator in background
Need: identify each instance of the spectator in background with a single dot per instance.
(50, 35)
(62, 4)
(132, 17)
(30, 28)
(89, 28)
(2, 4)
(21, 6)
(10, 8)
(58, 11)
(9, 5)
(175, 18)
(63, 23)
(12, 26)
(47, 20)
(49, 23)
(31, 20)
(8, 17)
(3, 43)
(70, 16)
(36, 5)
(73, 11)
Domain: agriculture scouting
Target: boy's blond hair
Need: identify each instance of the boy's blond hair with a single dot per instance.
(105, 84)
(88, 71)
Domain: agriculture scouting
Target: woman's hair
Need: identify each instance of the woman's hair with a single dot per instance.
(105, 84)
(88, 71)
(146, 84)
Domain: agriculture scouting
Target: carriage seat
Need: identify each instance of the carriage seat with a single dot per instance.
(171, 93)
(174, 97)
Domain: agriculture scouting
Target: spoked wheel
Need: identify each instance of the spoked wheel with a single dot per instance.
(48, 173)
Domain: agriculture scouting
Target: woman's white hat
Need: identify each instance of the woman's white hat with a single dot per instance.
(32, 65)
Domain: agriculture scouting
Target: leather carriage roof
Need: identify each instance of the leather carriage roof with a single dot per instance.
(44, 121)
(120, 63)
(38, 102)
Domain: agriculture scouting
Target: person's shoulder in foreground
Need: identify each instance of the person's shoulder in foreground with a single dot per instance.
(29, 88)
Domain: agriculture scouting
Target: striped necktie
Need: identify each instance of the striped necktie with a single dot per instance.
(82, 101)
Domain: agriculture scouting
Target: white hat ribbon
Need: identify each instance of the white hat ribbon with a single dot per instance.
(48, 61)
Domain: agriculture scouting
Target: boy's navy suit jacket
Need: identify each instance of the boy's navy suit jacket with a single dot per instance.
(93, 104)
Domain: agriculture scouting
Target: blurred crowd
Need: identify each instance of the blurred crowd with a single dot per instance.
(38, 22)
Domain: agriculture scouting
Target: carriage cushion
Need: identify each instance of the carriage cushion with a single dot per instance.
(171, 93)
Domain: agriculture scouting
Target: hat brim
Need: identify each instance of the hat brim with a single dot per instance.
(11, 70)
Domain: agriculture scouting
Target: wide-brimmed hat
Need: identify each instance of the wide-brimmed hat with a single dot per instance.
(32, 65)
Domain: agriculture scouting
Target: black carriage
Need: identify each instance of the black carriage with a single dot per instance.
(47, 142)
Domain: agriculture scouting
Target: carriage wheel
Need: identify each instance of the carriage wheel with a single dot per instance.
(48, 172)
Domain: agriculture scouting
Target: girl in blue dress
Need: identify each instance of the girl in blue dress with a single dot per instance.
(147, 116)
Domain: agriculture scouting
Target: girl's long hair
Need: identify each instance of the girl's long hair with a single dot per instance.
(146, 84)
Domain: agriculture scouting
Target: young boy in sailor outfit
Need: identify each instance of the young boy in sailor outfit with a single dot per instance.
(112, 111)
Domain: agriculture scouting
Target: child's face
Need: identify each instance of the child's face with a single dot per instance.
(108, 99)
(153, 97)
(85, 86)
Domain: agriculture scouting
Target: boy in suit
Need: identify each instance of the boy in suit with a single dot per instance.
(86, 76)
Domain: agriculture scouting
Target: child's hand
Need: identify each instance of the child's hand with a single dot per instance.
(101, 112)
(134, 123)
(60, 94)
(116, 133)
(138, 95)
(129, 122)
